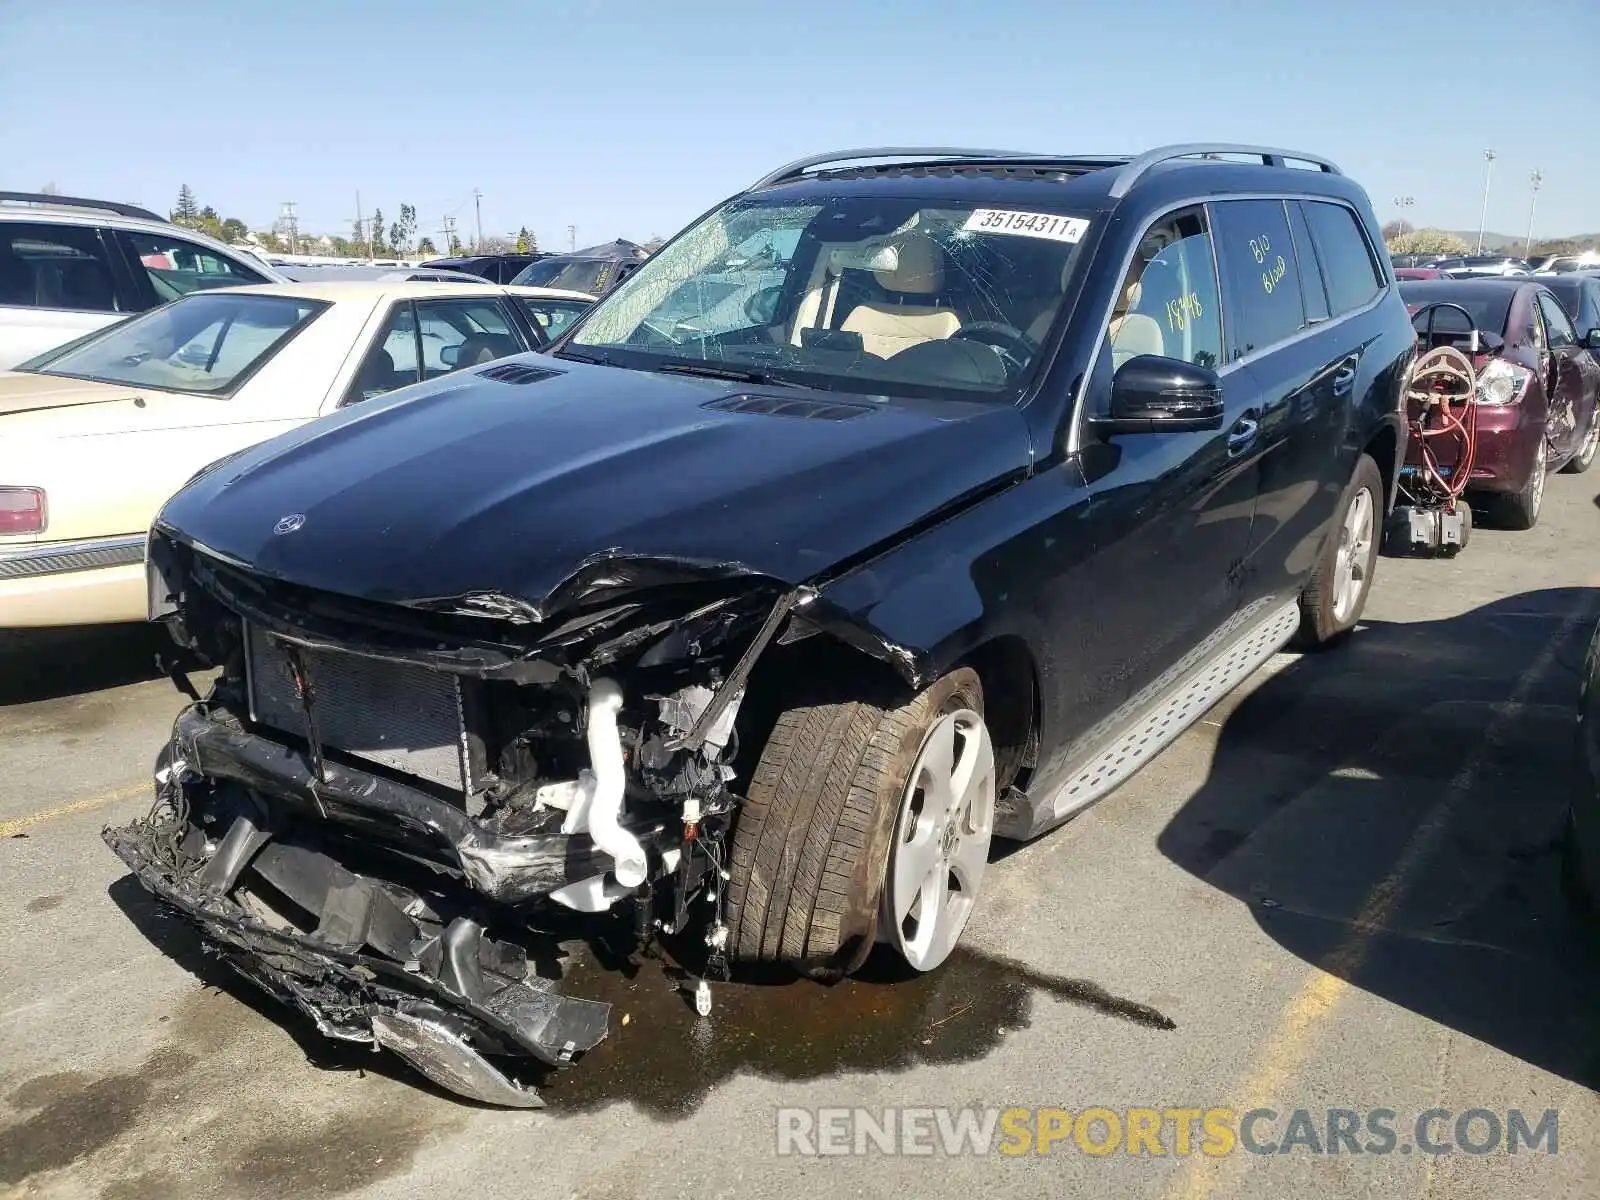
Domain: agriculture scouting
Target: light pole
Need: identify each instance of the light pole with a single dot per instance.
(1488, 174)
(1536, 179)
(1403, 203)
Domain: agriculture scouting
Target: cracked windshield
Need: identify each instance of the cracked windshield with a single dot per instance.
(852, 293)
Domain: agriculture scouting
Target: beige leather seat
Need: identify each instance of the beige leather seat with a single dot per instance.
(1131, 333)
(887, 329)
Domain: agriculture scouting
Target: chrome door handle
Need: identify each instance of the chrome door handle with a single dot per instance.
(1243, 433)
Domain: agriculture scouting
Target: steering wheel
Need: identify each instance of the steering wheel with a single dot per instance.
(1009, 342)
(664, 338)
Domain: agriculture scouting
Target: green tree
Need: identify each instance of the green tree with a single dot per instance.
(272, 242)
(1428, 241)
(425, 246)
(234, 230)
(526, 242)
(378, 247)
(455, 245)
(404, 229)
(186, 211)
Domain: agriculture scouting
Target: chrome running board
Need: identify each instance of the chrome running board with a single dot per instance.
(1162, 710)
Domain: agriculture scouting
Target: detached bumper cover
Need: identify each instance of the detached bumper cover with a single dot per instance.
(369, 973)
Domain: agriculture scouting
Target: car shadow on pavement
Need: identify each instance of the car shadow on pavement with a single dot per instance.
(46, 664)
(1391, 811)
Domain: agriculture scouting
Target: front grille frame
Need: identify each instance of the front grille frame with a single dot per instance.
(342, 718)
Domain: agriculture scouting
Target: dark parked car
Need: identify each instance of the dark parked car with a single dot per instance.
(1582, 850)
(1536, 391)
(593, 270)
(496, 268)
(755, 624)
(1579, 294)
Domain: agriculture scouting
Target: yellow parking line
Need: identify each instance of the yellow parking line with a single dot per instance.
(1292, 1041)
(18, 824)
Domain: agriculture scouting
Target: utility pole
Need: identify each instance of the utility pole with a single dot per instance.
(572, 237)
(289, 223)
(1483, 219)
(447, 230)
(1536, 179)
(360, 225)
(477, 203)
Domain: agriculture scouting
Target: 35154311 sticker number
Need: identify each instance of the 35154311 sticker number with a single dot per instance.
(1027, 224)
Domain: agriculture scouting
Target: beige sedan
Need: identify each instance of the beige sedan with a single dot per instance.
(97, 434)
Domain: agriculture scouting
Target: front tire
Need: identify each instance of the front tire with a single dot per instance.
(1333, 600)
(831, 804)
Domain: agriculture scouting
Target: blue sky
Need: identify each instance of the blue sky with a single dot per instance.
(629, 118)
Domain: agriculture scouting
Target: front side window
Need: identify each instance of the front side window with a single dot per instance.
(850, 292)
(55, 266)
(1347, 266)
(176, 267)
(208, 345)
(1168, 304)
(1257, 252)
(1558, 326)
(463, 333)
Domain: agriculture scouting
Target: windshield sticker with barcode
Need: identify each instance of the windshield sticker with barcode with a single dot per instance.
(1027, 224)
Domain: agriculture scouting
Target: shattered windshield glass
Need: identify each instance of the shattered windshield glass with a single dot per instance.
(854, 293)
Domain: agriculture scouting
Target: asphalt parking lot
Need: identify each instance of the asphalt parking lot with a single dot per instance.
(1341, 890)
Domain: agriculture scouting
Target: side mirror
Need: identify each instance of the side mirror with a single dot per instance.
(1152, 394)
(1592, 338)
(762, 306)
(450, 356)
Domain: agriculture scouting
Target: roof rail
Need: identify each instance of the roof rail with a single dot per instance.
(1144, 163)
(800, 165)
(110, 206)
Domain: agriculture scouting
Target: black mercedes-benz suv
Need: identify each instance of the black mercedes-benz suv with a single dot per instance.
(909, 499)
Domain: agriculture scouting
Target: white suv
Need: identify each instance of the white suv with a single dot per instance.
(69, 266)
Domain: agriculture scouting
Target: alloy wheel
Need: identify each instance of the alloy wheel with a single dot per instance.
(941, 840)
(1354, 556)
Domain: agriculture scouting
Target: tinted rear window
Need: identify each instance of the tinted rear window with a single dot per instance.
(1347, 267)
(1489, 309)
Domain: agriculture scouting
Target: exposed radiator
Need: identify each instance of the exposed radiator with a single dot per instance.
(402, 716)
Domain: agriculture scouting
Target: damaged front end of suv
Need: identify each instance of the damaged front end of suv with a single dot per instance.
(381, 814)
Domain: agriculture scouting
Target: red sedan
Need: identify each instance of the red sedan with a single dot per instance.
(1415, 273)
(1537, 386)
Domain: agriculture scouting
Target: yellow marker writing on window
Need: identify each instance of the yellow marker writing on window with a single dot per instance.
(1183, 310)
(1271, 278)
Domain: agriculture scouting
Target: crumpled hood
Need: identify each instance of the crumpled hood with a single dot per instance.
(472, 485)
